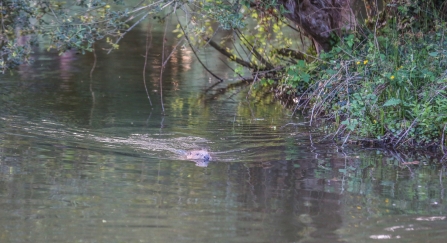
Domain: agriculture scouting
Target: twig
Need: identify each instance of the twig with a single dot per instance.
(194, 51)
(230, 86)
(162, 67)
(94, 61)
(129, 29)
(253, 50)
(148, 45)
(346, 139)
(55, 16)
(136, 8)
(294, 124)
(91, 87)
(172, 52)
(214, 85)
(442, 140)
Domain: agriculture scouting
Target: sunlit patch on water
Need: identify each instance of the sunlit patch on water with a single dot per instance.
(401, 228)
(383, 237)
(432, 218)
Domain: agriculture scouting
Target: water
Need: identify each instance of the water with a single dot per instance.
(90, 160)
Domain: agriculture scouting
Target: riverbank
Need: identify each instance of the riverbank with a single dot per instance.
(387, 87)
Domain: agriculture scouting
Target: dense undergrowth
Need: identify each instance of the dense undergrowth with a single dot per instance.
(387, 86)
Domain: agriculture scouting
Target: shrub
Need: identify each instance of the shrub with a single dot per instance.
(387, 86)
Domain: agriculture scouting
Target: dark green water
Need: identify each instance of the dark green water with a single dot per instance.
(90, 160)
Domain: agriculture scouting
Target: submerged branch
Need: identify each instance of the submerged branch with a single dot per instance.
(230, 87)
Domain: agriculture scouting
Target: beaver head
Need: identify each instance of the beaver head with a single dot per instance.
(201, 155)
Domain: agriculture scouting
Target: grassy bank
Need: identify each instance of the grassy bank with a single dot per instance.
(387, 86)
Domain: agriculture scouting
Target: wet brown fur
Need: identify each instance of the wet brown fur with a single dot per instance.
(198, 155)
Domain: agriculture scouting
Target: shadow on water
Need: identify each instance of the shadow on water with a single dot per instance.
(90, 160)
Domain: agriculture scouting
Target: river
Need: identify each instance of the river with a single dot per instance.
(89, 159)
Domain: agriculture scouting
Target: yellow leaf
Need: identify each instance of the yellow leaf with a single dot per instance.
(276, 28)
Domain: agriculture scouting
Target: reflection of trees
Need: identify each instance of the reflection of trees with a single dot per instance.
(293, 197)
(284, 199)
(61, 85)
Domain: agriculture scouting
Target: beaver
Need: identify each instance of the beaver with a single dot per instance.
(154, 144)
(201, 155)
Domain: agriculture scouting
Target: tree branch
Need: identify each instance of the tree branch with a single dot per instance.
(194, 51)
(229, 55)
(253, 50)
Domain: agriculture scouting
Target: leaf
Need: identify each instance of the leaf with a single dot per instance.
(392, 102)
(301, 64)
(433, 54)
(330, 72)
(305, 77)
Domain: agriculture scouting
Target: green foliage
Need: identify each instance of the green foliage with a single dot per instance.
(383, 86)
(258, 31)
(224, 12)
(78, 24)
(297, 74)
(60, 25)
(14, 50)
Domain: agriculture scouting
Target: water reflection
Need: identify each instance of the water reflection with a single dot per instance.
(71, 173)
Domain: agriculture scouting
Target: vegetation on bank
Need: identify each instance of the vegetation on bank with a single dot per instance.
(383, 86)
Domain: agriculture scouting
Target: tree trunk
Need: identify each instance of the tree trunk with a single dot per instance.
(320, 18)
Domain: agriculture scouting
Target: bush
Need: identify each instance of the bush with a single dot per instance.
(387, 86)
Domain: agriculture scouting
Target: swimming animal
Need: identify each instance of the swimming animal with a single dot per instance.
(201, 155)
(146, 142)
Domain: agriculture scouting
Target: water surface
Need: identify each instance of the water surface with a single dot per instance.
(90, 160)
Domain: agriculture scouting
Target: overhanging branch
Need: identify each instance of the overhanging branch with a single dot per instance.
(230, 55)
